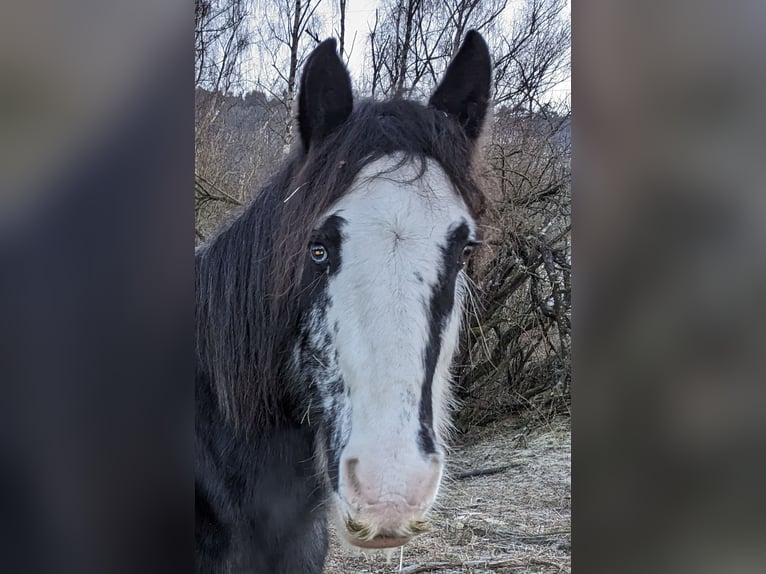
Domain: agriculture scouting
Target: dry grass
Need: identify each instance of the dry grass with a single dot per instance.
(517, 520)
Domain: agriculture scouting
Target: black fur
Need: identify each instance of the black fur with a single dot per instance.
(315, 276)
(442, 300)
(266, 454)
(256, 499)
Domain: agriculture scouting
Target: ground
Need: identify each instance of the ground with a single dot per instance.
(515, 520)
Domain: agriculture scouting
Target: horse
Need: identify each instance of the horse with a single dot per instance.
(327, 316)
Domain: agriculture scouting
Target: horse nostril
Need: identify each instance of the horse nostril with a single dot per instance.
(351, 477)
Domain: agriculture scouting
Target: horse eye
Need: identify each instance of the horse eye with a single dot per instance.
(467, 252)
(318, 253)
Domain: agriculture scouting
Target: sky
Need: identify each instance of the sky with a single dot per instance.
(360, 17)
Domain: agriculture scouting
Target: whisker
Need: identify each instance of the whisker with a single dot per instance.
(360, 530)
(482, 337)
(307, 417)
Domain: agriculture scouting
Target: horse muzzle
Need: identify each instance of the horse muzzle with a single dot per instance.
(383, 508)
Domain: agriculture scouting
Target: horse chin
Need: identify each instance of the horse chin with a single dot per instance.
(355, 535)
(378, 543)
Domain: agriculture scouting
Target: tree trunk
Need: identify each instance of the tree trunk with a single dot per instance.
(290, 96)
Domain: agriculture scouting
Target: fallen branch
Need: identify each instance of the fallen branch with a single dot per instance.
(483, 471)
(487, 564)
(530, 538)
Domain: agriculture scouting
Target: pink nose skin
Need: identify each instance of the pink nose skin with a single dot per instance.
(387, 497)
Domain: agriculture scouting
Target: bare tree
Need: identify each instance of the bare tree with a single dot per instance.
(481, 15)
(534, 57)
(342, 29)
(391, 46)
(289, 29)
(378, 49)
(518, 341)
(237, 149)
(221, 38)
(412, 41)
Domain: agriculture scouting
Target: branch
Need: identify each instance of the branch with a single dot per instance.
(483, 471)
(208, 191)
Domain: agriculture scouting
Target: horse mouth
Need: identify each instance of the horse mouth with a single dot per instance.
(364, 535)
(380, 542)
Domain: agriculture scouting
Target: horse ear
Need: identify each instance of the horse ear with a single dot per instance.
(325, 99)
(464, 90)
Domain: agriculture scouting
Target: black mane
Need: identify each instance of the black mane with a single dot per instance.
(248, 276)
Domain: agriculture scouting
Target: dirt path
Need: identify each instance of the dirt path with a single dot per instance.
(517, 520)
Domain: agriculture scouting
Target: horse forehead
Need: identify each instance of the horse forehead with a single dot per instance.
(393, 197)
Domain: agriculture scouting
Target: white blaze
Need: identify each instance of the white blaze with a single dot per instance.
(396, 225)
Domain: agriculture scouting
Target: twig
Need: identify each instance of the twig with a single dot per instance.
(530, 538)
(293, 193)
(210, 192)
(483, 471)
